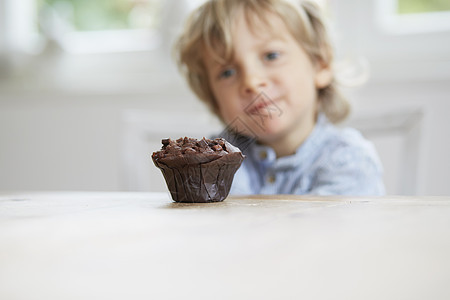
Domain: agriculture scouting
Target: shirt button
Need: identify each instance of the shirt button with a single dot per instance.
(263, 154)
(271, 178)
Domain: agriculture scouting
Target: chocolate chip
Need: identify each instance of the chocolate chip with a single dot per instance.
(165, 142)
(217, 148)
(186, 145)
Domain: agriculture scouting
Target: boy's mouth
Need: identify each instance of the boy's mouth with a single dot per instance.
(263, 108)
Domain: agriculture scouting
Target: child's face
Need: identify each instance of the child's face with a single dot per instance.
(271, 61)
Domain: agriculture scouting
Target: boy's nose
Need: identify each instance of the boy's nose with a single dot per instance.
(253, 83)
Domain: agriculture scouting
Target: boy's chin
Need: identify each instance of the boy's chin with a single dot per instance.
(267, 134)
(256, 127)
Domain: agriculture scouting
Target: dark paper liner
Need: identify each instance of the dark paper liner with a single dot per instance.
(200, 182)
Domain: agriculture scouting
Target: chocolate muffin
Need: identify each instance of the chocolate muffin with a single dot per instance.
(198, 171)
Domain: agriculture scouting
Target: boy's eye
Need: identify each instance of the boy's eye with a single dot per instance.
(271, 55)
(227, 73)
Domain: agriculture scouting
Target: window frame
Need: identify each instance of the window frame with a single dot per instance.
(111, 41)
(391, 22)
(393, 55)
(105, 41)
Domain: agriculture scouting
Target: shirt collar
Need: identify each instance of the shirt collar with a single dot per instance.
(304, 154)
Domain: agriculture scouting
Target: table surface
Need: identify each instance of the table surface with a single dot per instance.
(95, 245)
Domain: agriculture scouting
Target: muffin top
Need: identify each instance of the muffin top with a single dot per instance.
(196, 151)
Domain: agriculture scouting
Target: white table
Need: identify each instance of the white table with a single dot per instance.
(72, 245)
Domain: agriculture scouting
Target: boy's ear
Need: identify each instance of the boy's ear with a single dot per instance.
(324, 76)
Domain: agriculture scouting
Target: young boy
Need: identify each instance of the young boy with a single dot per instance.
(265, 69)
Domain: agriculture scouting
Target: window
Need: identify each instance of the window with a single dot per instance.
(86, 26)
(422, 6)
(413, 16)
(87, 15)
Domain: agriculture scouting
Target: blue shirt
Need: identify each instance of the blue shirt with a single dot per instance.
(331, 161)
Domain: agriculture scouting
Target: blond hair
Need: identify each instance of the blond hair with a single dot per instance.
(209, 27)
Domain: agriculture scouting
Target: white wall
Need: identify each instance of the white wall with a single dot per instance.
(63, 129)
(62, 118)
(409, 70)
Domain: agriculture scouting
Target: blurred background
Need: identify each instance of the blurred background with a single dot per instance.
(88, 89)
